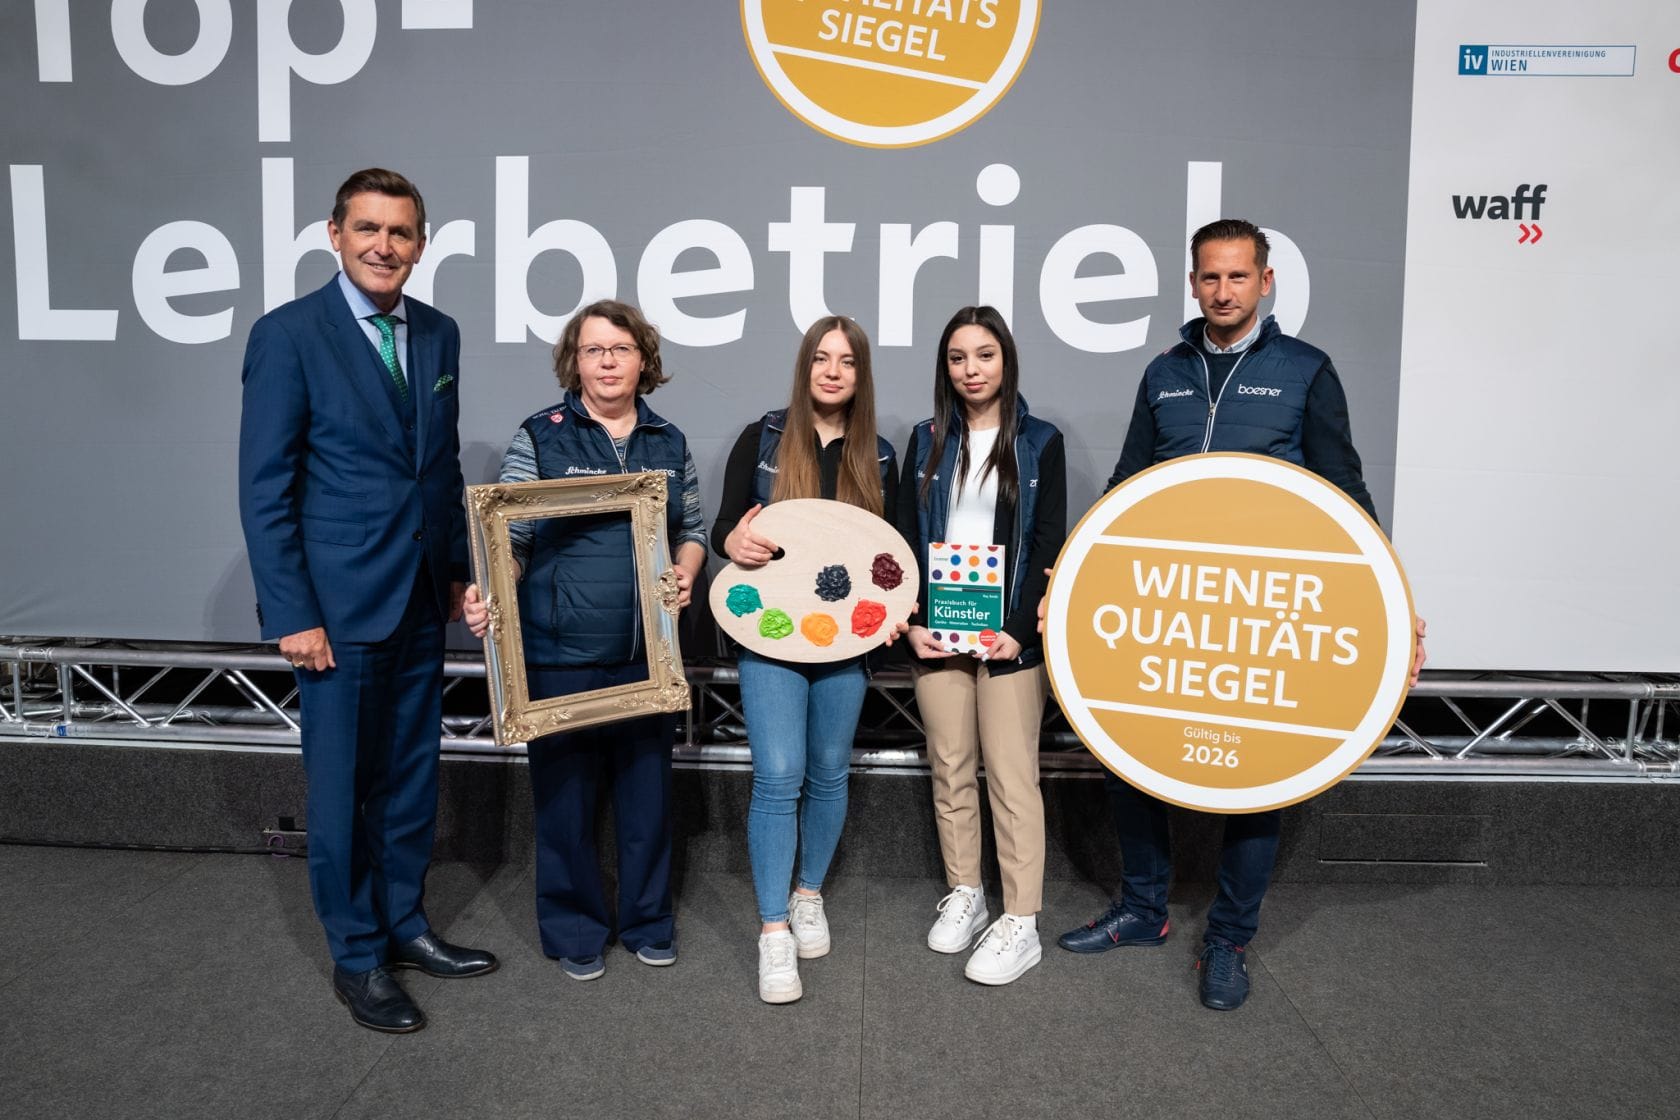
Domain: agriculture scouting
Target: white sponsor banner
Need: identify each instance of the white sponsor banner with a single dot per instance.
(1535, 476)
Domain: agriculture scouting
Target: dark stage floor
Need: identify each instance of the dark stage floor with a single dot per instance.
(145, 984)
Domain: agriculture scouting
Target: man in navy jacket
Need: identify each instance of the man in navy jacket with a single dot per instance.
(350, 494)
(1234, 382)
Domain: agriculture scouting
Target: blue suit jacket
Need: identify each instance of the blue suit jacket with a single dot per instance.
(341, 491)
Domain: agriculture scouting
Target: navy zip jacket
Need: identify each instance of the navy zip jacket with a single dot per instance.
(578, 601)
(1281, 398)
(1032, 529)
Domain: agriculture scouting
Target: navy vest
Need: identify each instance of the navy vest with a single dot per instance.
(578, 603)
(1031, 438)
(1259, 409)
(770, 439)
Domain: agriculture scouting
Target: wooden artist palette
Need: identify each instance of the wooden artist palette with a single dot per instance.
(844, 580)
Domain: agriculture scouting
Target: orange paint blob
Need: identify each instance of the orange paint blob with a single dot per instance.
(819, 629)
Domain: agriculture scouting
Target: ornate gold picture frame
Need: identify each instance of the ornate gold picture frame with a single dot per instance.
(491, 509)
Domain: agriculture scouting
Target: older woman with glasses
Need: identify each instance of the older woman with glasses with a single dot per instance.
(579, 612)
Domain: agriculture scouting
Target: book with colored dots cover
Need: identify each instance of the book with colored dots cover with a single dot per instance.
(965, 595)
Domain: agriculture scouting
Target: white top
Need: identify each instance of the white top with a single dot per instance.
(973, 509)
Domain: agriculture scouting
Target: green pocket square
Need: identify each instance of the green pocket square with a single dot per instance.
(443, 382)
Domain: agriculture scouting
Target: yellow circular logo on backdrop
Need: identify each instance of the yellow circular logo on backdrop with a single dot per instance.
(1229, 632)
(889, 73)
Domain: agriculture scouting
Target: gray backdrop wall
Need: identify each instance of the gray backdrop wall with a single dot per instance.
(164, 193)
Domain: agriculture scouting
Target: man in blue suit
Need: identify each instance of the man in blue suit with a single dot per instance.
(350, 494)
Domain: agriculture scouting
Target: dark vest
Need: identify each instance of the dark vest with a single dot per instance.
(1030, 440)
(1259, 409)
(770, 440)
(578, 603)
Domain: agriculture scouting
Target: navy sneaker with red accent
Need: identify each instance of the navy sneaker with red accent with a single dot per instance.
(1117, 926)
(1224, 975)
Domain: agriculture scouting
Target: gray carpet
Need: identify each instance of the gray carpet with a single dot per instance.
(136, 984)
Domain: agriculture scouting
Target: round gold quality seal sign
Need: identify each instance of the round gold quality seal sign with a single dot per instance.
(1229, 632)
(889, 73)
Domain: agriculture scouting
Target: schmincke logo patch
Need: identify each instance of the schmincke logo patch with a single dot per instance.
(1545, 60)
(767, 468)
(1165, 394)
(585, 470)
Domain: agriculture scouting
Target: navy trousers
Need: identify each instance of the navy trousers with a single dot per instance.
(635, 757)
(1246, 860)
(370, 752)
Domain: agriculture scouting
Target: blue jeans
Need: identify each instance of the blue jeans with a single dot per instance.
(800, 723)
(1246, 860)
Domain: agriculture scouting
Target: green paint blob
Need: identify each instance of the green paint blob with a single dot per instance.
(775, 624)
(743, 599)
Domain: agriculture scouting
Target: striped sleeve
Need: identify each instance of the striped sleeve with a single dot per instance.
(693, 521)
(520, 465)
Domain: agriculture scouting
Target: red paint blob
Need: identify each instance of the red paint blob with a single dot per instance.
(867, 617)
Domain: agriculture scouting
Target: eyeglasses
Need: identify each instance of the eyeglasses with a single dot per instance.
(620, 353)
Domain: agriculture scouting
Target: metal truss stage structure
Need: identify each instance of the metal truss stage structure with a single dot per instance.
(1454, 726)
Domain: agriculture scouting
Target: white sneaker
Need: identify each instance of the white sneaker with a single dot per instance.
(809, 925)
(1009, 948)
(778, 968)
(962, 915)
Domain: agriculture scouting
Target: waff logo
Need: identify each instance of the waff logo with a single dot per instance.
(1499, 207)
(1674, 60)
(889, 73)
(1524, 202)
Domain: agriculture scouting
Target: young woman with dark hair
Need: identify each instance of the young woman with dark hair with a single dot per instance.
(984, 471)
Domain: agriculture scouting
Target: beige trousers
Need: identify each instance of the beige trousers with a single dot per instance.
(969, 715)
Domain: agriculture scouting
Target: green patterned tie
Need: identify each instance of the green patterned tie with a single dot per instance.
(388, 351)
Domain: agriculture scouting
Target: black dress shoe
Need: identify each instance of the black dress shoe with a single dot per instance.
(376, 1001)
(434, 956)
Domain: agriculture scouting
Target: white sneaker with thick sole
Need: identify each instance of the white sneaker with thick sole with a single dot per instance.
(809, 925)
(962, 915)
(1009, 948)
(778, 968)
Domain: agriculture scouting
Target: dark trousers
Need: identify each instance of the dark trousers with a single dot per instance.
(635, 757)
(1246, 859)
(370, 752)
